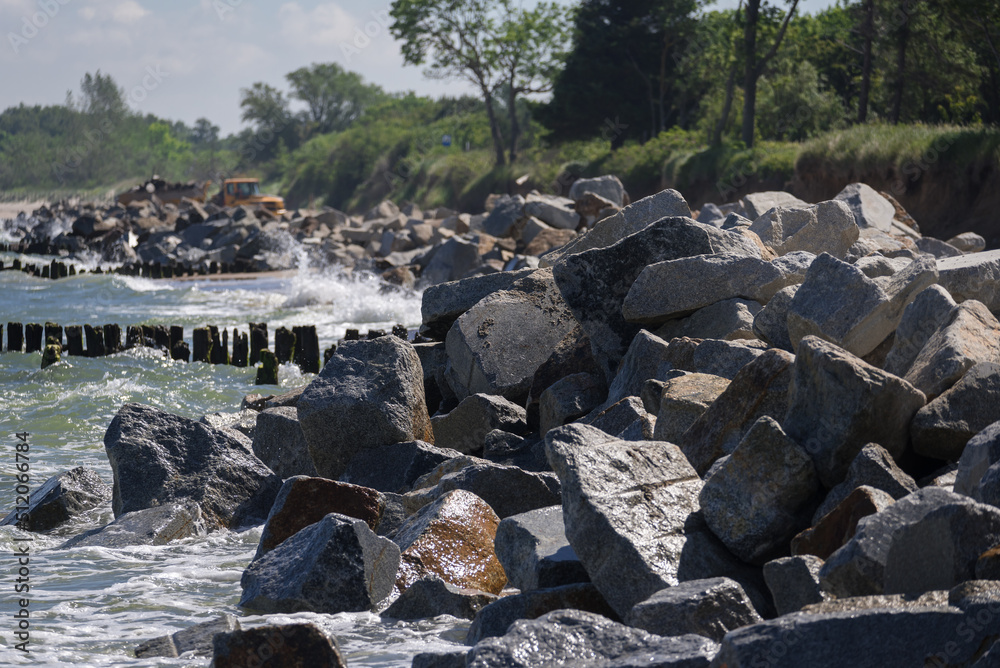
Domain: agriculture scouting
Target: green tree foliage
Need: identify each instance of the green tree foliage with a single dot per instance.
(334, 97)
(489, 44)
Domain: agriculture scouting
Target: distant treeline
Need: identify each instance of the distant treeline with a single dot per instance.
(641, 86)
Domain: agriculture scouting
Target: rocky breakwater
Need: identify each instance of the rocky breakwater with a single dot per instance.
(406, 245)
(769, 438)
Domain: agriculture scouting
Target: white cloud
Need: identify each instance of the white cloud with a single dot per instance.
(87, 13)
(325, 25)
(128, 11)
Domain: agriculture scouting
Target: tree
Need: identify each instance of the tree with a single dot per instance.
(264, 106)
(477, 41)
(531, 55)
(333, 96)
(754, 67)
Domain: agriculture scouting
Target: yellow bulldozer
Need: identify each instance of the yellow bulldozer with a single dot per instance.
(233, 192)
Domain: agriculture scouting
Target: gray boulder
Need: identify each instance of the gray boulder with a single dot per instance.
(943, 427)
(280, 443)
(440, 659)
(709, 608)
(394, 468)
(928, 540)
(870, 209)
(627, 420)
(494, 620)
(682, 401)
(586, 640)
(432, 596)
(762, 495)
(508, 490)
(629, 220)
(442, 304)
(453, 260)
(939, 249)
(759, 389)
(61, 498)
(929, 310)
(555, 211)
(873, 467)
(607, 186)
(631, 514)
(968, 242)
(335, 565)
(837, 302)
(974, 276)
(907, 636)
(496, 346)
(725, 358)
(506, 214)
(771, 322)
(595, 283)
(465, 427)
(534, 552)
(569, 399)
(827, 227)
(151, 526)
(794, 582)
(971, 336)
(286, 645)
(756, 205)
(370, 394)
(838, 404)
(729, 320)
(196, 639)
(648, 357)
(981, 452)
(157, 458)
(700, 281)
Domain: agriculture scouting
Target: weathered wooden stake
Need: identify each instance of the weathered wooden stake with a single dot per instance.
(52, 354)
(258, 341)
(33, 337)
(112, 339)
(218, 354)
(55, 331)
(74, 340)
(284, 345)
(202, 340)
(15, 337)
(306, 348)
(241, 349)
(95, 341)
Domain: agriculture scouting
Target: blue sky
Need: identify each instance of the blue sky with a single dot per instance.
(183, 59)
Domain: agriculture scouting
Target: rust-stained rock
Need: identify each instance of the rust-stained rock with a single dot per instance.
(838, 526)
(452, 538)
(303, 501)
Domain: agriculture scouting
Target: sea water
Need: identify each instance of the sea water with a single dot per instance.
(91, 606)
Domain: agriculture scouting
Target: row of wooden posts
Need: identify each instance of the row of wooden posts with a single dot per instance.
(56, 269)
(209, 344)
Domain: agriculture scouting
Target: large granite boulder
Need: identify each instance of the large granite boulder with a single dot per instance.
(870, 209)
(682, 401)
(794, 582)
(453, 539)
(595, 282)
(974, 276)
(496, 346)
(465, 427)
(588, 640)
(929, 310)
(980, 453)
(827, 227)
(303, 501)
(157, 458)
(370, 394)
(632, 514)
(838, 404)
(158, 525)
(534, 552)
(709, 608)
(759, 389)
(928, 540)
(943, 427)
(431, 596)
(873, 467)
(280, 443)
(762, 495)
(284, 646)
(335, 565)
(970, 336)
(837, 302)
(61, 498)
(442, 304)
(394, 468)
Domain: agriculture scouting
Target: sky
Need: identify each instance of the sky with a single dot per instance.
(186, 59)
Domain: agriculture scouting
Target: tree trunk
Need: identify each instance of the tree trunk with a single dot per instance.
(867, 31)
(897, 96)
(750, 70)
(515, 129)
(727, 106)
(494, 127)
